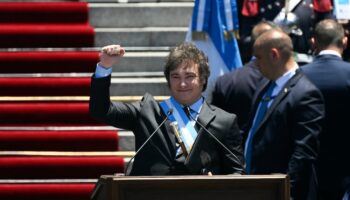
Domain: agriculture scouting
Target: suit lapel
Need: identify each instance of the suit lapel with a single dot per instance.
(167, 141)
(205, 117)
(281, 95)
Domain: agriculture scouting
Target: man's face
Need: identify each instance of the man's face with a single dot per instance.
(263, 62)
(185, 84)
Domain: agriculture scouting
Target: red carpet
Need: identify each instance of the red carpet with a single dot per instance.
(50, 25)
(76, 140)
(46, 114)
(45, 24)
(43, 12)
(46, 167)
(45, 86)
(48, 62)
(32, 35)
(46, 191)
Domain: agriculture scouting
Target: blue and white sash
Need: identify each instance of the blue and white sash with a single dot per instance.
(187, 132)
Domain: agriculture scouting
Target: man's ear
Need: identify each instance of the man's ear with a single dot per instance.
(274, 53)
(313, 43)
(345, 42)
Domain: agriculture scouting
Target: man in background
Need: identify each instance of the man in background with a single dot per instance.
(332, 76)
(233, 92)
(286, 120)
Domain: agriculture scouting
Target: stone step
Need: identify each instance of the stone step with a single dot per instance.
(141, 62)
(144, 37)
(135, 60)
(126, 140)
(139, 86)
(131, 15)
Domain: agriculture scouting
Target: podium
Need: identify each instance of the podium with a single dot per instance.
(217, 187)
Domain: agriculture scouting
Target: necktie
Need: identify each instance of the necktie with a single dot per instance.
(188, 111)
(258, 118)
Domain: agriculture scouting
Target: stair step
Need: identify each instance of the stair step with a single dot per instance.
(80, 86)
(108, 139)
(126, 140)
(48, 61)
(53, 167)
(148, 36)
(139, 86)
(142, 62)
(44, 86)
(50, 35)
(59, 140)
(71, 98)
(131, 15)
(30, 62)
(46, 114)
(46, 190)
(33, 12)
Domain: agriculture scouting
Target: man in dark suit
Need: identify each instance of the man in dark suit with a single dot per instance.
(234, 91)
(332, 76)
(284, 138)
(187, 72)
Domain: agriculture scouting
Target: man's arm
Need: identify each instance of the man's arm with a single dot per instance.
(308, 118)
(117, 114)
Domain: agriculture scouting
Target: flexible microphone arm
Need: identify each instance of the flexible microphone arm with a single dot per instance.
(170, 111)
(188, 112)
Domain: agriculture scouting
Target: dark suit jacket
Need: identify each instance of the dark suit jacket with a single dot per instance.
(332, 76)
(287, 139)
(158, 156)
(234, 91)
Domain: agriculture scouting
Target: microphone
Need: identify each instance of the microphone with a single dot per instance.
(188, 113)
(170, 111)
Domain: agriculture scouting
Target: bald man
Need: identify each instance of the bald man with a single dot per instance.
(286, 120)
(233, 92)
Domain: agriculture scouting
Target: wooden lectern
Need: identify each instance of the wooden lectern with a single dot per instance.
(218, 187)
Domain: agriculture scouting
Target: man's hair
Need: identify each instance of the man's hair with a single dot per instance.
(327, 33)
(261, 28)
(186, 52)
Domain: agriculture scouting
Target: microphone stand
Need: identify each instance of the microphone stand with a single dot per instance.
(154, 132)
(188, 112)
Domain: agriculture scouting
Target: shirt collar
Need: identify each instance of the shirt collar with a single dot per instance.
(327, 52)
(281, 81)
(197, 106)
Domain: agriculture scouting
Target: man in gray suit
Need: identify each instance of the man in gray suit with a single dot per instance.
(182, 143)
(331, 75)
(286, 122)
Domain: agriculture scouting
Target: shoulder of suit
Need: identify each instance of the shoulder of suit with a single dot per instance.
(220, 112)
(148, 98)
(305, 84)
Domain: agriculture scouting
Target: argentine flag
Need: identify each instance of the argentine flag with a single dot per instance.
(213, 29)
